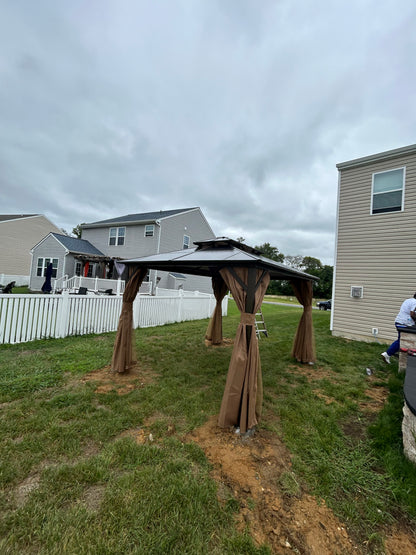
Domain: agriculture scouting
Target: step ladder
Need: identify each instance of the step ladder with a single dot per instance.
(260, 325)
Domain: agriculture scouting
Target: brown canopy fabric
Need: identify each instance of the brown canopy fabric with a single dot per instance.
(247, 274)
(213, 334)
(123, 353)
(243, 395)
(303, 349)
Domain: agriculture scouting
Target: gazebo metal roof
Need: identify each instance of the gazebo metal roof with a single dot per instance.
(208, 257)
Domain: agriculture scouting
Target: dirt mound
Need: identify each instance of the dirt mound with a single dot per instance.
(257, 470)
(107, 380)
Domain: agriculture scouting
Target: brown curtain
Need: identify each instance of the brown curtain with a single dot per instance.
(213, 334)
(303, 349)
(243, 394)
(123, 353)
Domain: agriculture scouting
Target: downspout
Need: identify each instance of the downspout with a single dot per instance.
(158, 223)
(331, 325)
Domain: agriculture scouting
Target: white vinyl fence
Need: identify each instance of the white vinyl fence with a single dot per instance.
(29, 317)
(19, 280)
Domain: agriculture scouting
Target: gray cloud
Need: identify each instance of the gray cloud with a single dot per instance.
(237, 107)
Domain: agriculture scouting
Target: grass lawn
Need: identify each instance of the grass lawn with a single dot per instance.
(75, 479)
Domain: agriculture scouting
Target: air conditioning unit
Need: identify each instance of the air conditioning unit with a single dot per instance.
(357, 291)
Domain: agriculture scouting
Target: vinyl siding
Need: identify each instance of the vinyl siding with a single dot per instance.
(49, 248)
(135, 243)
(17, 238)
(190, 223)
(171, 230)
(376, 251)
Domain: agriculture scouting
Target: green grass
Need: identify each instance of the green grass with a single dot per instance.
(70, 481)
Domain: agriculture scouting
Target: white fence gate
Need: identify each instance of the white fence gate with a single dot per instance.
(29, 317)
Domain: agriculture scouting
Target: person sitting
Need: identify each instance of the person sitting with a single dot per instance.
(405, 318)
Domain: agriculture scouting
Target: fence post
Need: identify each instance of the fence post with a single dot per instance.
(119, 286)
(180, 305)
(96, 285)
(62, 316)
(211, 305)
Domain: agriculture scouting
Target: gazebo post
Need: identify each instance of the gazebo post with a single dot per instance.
(250, 298)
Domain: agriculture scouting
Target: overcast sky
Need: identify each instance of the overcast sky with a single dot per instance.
(240, 107)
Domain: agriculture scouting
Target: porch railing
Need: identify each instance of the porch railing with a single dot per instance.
(92, 284)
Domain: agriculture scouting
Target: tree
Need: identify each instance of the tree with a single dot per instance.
(271, 252)
(294, 261)
(311, 264)
(77, 231)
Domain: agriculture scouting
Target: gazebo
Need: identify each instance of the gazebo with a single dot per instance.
(244, 272)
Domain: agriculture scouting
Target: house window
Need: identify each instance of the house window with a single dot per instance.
(186, 241)
(388, 191)
(149, 230)
(43, 264)
(78, 268)
(117, 235)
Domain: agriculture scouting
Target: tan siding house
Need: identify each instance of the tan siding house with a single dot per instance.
(18, 234)
(375, 259)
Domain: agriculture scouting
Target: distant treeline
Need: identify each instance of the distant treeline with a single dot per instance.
(321, 289)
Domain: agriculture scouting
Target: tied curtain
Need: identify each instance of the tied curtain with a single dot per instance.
(213, 334)
(243, 394)
(303, 349)
(123, 353)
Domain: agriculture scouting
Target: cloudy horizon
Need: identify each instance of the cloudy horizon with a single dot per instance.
(241, 108)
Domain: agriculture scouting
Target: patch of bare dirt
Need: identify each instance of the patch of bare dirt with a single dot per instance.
(226, 342)
(106, 380)
(24, 489)
(251, 468)
(92, 497)
(254, 471)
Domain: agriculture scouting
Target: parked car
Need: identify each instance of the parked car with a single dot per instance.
(324, 305)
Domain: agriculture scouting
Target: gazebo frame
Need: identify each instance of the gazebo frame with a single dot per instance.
(246, 273)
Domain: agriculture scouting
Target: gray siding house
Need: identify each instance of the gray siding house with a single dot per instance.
(137, 235)
(375, 258)
(69, 256)
(18, 233)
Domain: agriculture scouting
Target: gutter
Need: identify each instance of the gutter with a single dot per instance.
(381, 156)
(159, 224)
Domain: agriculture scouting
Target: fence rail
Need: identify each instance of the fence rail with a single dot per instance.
(30, 317)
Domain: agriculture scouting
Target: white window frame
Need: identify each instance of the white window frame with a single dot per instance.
(119, 237)
(44, 264)
(149, 230)
(388, 211)
(186, 242)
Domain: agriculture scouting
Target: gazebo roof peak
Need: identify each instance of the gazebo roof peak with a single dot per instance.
(224, 243)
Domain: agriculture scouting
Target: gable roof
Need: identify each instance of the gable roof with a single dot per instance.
(139, 218)
(75, 245)
(10, 217)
